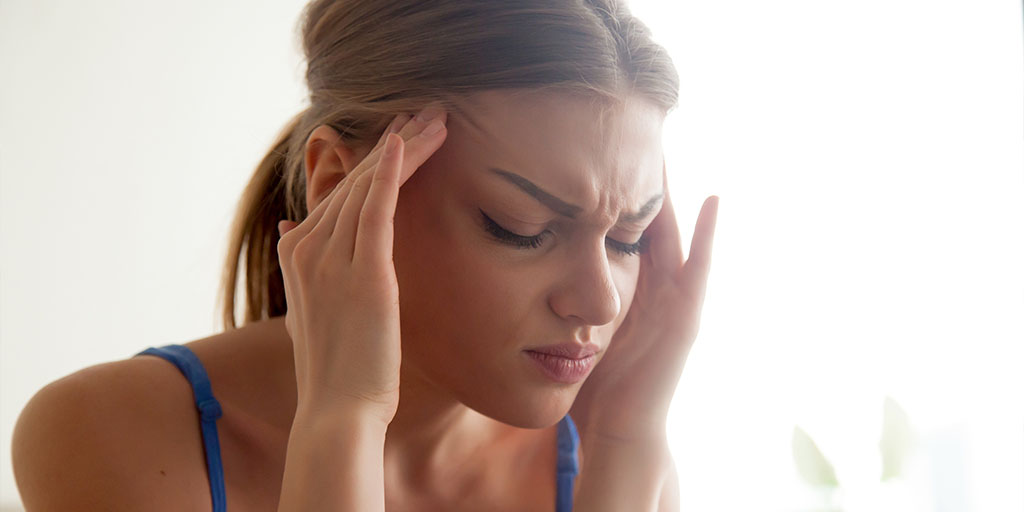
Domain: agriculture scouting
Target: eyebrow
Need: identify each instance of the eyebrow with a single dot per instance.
(570, 210)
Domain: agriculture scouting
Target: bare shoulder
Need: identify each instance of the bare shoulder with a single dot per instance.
(114, 436)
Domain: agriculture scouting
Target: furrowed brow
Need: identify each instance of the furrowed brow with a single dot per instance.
(570, 210)
(555, 204)
(645, 211)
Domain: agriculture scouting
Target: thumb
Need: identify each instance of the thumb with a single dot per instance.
(285, 226)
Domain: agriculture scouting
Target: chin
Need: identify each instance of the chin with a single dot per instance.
(537, 409)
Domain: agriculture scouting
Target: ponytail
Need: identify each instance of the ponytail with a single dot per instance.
(254, 231)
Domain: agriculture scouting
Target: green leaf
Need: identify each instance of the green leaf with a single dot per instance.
(810, 463)
(897, 439)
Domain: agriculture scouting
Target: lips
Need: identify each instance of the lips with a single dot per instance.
(561, 369)
(565, 363)
(568, 350)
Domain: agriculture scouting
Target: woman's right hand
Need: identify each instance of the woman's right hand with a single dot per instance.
(340, 282)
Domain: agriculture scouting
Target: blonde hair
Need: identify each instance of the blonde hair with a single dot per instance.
(369, 60)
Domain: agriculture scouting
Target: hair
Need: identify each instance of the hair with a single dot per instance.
(370, 60)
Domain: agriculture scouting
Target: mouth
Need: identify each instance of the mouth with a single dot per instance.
(570, 350)
(560, 368)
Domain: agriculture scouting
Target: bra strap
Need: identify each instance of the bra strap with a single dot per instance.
(568, 463)
(209, 412)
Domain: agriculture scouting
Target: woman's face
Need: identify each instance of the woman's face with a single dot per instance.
(472, 303)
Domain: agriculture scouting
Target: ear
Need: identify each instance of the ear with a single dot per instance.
(327, 162)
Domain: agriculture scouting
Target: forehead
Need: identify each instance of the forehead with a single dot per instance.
(583, 149)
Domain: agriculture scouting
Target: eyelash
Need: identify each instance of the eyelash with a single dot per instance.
(533, 242)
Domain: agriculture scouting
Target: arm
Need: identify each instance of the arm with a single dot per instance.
(343, 319)
(669, 501)
(620, 475)
(334, 462)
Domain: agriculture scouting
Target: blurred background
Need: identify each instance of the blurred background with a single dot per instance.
(861, 344)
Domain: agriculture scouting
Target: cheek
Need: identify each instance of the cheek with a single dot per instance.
(455, 292)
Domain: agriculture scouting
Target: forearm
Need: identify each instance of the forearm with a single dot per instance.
(334, 464)
(619, 475)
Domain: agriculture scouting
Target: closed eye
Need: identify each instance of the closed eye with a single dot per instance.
(535, 241)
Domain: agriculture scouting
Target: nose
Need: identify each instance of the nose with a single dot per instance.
(587, 291)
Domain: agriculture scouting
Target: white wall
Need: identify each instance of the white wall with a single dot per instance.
(869, 157)
(127, 131)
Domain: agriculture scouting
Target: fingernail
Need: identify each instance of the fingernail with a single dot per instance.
(398, 122)
(389, 145)
(431, 129)
(428, 113)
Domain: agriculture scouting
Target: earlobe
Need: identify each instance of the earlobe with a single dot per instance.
(327, 161)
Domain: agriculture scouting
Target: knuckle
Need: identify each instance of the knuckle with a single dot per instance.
(375, 219)
(304, 249)
(290, 234)
(284, 246)
(382, 177)
(324, 274)
(284, 255)
(360, 184)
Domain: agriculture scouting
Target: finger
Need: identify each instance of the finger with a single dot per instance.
(312, 218)
(416, 149)
(666, 245)
(698, 266)
(423, 119)
(284, 226)
(344, 238)
(409, 131)
(396, 126)
(325, 227)
(403, 124)
(329, 203)
(421, 147)
(375, 237)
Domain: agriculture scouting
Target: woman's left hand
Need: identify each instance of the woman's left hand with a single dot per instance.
(627, 396)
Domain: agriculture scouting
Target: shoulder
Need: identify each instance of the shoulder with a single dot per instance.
(111, 436)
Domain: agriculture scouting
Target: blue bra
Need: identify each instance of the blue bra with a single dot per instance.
(209, 412)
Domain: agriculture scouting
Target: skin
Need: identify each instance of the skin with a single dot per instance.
(465, 293)
(470, 431)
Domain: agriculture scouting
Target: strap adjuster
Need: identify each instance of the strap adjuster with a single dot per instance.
(210, 409)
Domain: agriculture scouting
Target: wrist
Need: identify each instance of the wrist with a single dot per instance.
(640, 443)
(625, 429)
(621, 474)
(335, 460)
(352, 418)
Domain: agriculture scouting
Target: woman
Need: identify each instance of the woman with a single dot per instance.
(504, 334)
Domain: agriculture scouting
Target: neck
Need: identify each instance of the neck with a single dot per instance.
(434, 437)
(434, 441)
